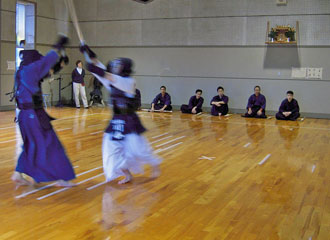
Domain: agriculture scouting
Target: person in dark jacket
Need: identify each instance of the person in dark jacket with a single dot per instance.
(256, 107)
(78, 75)
(289, 109)
(162, 101)
(219, 103)
(195, 103)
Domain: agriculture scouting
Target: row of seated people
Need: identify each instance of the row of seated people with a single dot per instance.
(256, 106)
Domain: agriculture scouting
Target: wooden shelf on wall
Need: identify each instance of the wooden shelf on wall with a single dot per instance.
(284, 41)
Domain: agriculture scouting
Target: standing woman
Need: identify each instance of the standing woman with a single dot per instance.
(78, 75)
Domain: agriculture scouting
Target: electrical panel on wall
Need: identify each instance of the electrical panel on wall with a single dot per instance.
(281, 2)
(314, 73)
(307, 73)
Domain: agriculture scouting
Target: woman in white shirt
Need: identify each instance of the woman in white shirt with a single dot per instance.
(78, 84)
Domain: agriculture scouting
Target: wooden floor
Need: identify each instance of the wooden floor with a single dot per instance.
(222, 178)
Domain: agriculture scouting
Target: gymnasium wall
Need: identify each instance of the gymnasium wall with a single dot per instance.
(51, 17)
(189, 44)
(7, 47)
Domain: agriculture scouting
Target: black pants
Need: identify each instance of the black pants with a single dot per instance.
(292, 116)
(254, 113)
(160, 106)
(185, 109)
(223, 109)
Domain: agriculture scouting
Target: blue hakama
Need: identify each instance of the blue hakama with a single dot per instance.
(43, 157)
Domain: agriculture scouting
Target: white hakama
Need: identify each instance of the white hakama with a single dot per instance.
(132, 153)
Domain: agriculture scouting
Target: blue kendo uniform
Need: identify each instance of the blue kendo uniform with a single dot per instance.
(43, 157)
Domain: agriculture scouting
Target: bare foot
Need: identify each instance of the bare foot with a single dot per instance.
(125, 180)
(62, 183)
(20, 180)
(155, 171)
(128, 177)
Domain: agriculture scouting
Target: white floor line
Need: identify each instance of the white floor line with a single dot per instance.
(160, 135)
(63, 129)
(13, 140)
(164, 149)
(206, 158)
(52, 184)
(248, 144)
(86, 180)
(264, 160)
(66, 188)
(160, 139)
(97, 185)
(170, 141)
(94, 133)
(313, 168)
(83, 173)
(35, 190)
(75, 166)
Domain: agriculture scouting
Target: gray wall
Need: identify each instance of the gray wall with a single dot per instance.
(189, 44)
(7, 46)
(50, 18)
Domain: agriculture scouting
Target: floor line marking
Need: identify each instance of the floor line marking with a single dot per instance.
(264, 160)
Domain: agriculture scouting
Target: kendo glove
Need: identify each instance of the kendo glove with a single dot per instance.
(59, 65)
(61, 42)
(65, 59)
(86, 49)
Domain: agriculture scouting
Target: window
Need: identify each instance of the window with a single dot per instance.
(25, 28)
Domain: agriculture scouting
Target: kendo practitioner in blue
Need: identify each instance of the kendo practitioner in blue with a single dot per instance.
(43, 157)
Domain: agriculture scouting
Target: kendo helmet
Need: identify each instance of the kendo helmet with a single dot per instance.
(120, 66)
(29, 56)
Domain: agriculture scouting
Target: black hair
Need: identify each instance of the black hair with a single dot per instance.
(79, 61)
(289, 92)
(220, 88)
(22, 42)
(257, 87)
(199, 90)
(162, 87)
(127, 64)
